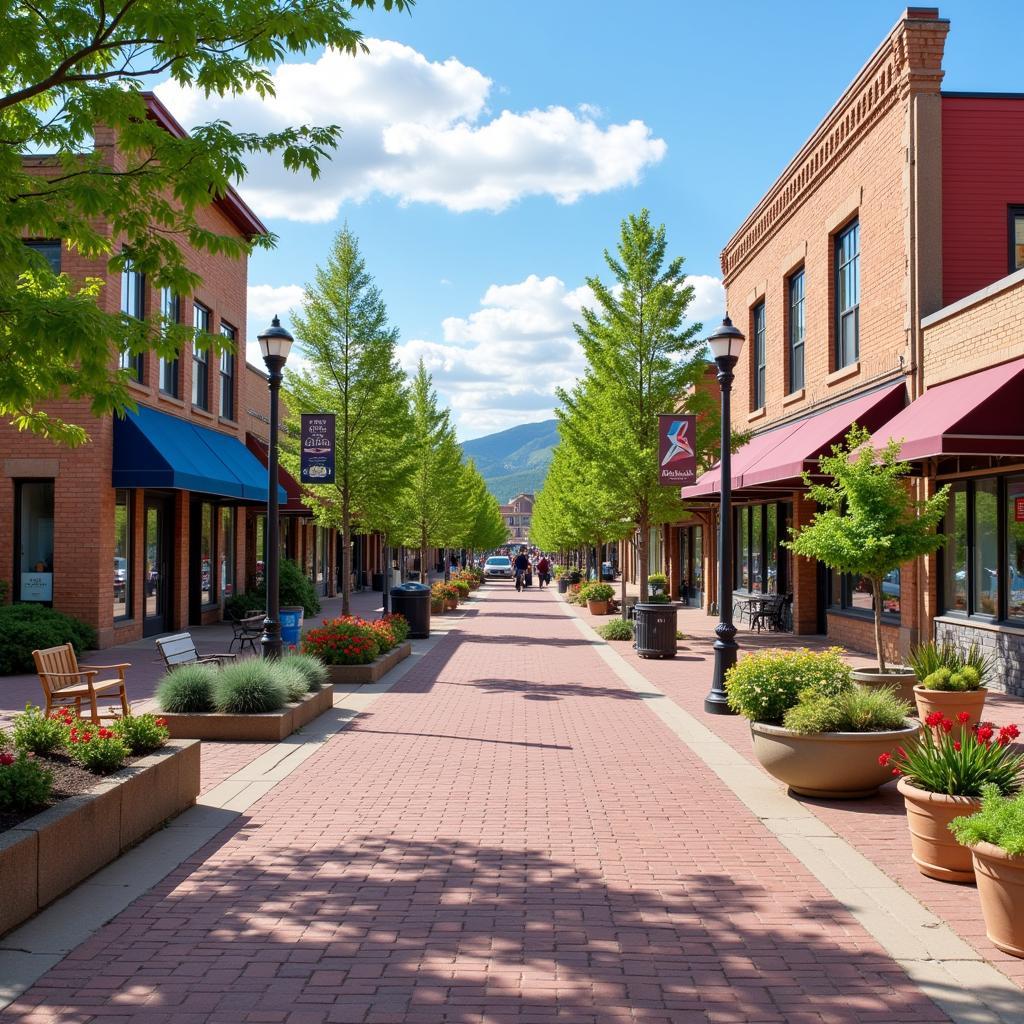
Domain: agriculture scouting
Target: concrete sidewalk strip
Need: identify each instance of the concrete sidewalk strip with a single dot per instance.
(29, 951)
(932, 953)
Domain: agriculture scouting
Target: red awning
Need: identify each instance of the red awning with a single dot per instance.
(784, 454)
(291, 486)
(979, 414)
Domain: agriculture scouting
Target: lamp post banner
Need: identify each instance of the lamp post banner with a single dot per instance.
(677, 449)
(317, 448)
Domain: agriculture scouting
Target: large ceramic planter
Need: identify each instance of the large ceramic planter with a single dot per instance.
(597, 607)
(830, 765)
(1000, 879)
(902, 680)
(936, 853)
(950, 703)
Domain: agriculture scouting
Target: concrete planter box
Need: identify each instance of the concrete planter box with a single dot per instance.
(53, 851)
(360, 675)
(270, 726)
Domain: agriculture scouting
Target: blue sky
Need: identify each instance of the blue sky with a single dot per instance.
(492, 149)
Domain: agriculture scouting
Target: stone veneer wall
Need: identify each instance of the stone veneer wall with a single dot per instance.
(1007, 646)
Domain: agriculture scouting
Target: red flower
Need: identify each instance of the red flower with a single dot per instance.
(956, 744)
(884, 759)
(1010, 731)
(6, 758)
(947, 725)
(161, 722)
(896, 771)
(985, 733)
(934, 719)
(962, 717)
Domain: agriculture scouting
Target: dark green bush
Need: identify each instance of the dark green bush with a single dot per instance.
(25, 628)
(617, 629)
(24, 783)
(293, 588)
(36, 734)
(249, 687)
(314, 670)
(187, 690)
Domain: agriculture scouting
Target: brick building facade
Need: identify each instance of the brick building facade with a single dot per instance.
(518, 515)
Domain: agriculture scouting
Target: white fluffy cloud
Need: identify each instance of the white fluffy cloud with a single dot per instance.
(265, 302)
(420, 131)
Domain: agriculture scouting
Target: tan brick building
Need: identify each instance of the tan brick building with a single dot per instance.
(518, 515)
(880, 265)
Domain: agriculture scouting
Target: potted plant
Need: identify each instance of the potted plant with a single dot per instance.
(949, 681)
(995, 835)
(446, 594)
(942, 773)
(867, 526)
(597, 596)
(812, 727)
(658, 584)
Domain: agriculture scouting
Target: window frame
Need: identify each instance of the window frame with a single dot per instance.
(170, 369)
(228, 331)
(1013, 211)
(18, 568)
(758, 355)
(842, 313)
(129, 506)
(796, 315)
(133, 304)
(200, 359)
(38, 245)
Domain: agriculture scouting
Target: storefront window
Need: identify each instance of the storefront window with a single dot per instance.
(206, 553)
(955, 552)
(743, 548)
(854, 594)
(34, 518)
(122, 554)
(771, 547)
(986, 547)
(697, 533)
(1015, 547)
(226, 546)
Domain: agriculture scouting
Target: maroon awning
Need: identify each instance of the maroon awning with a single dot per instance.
(291, 486)
(783, 455)
(979, 414)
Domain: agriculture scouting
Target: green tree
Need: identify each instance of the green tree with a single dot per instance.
(486, 527)
(869, 523)
(344, 334)
(128, 190)
(641, 361)
(435, 511)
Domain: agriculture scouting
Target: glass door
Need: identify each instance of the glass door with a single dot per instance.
(157, 568)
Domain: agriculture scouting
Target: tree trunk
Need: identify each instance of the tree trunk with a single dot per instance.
(346, 558)
(622, 594)
(424, 571)
(645, 552)
(876, 589)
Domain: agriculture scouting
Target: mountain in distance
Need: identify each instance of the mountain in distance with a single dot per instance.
(514, 460)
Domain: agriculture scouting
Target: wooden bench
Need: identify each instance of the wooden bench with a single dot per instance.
(180, 649)
(64, 683)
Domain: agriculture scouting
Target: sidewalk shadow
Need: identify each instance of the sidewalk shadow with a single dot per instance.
(552, 689)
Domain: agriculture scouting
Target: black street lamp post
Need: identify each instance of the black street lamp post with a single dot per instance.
(275, 343)
(725, 344)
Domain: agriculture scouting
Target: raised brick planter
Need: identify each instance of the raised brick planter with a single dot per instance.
(271, 726)
(55, 850)
(359, 675)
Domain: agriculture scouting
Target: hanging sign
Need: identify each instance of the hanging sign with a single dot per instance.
(677, 449)
(317, 448)
(1018, 510)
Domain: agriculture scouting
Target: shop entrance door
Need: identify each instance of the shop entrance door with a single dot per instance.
(158, 561)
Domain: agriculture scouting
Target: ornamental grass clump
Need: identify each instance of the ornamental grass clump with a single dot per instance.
(617, 629)
(946, 758)
(763, 687)
(999, 822)
(961, 680)
(249, 687)
(313, 669)
(296, 685)
(930, 658)
(857, 709)
(187, 690)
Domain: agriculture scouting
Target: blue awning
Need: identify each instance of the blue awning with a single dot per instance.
(153, 450)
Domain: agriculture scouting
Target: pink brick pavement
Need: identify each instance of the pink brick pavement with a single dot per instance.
(876, 826)
(507, 836)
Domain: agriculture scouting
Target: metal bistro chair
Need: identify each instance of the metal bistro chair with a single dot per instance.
(247, 631)
(180, 649)
(764, 614)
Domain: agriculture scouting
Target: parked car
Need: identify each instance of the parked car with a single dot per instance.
(498, 567)
(120, 577)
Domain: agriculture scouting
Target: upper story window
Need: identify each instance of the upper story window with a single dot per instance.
(795, 340)
(133, 303)
(170, 310)
(1016, 238)
(847, 296)
(227, 373)
(200, 360)
(758, 355)
(50, 251)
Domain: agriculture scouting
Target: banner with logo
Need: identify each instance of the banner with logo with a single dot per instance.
(677, 449)
(317, 448)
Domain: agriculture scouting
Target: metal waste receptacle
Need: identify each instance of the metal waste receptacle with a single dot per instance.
(377, 581)
(655, 630)
(413, 601)
(291, 625)
(563, 584)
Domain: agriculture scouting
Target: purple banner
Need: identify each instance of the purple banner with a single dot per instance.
(677, 449)
(317, 448)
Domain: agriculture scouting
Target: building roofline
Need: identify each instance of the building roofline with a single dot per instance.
(982, 95)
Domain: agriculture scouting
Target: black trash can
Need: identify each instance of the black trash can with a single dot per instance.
(655, 630)
(378, 581)
(413, 601)
(563, 584)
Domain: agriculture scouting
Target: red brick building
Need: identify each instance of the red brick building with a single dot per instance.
(878, 281)
(518, 515)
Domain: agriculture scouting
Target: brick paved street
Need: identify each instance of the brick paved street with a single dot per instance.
(509, 835)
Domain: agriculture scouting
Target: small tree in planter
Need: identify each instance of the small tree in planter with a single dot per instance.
(869, 525)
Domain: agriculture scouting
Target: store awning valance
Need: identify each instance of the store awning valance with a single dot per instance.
(291, 486)
(153, 450)
(781, 456)
(980, 414)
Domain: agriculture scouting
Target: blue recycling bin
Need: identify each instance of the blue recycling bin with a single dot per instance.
(291, 625)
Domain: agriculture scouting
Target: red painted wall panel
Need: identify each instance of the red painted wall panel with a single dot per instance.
(982, 174)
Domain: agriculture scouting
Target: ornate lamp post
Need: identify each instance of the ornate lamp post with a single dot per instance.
(275, 343)
(725, 344)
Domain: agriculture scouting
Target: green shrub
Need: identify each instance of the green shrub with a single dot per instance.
(343, 641)
(314, 670)
(141, 734)
(617, 629)
(462, 587)
(249, 687)
(96, 748)
(25, 628)
(657, 581)
(293, 588)
(999, 822)
(187, 690)
(242, 606)
(597, 592)
(858, 709)
(35, 733)
(659, 598)
(961, 680)
(399, 626)
(763, 687)
(24, 783)
(296, 685)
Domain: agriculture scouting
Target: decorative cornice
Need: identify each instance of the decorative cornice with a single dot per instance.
(909, 58)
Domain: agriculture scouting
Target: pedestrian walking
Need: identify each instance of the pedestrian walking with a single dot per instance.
(544, 571)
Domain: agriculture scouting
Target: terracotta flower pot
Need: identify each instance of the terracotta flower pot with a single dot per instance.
(1000, 880)
(950, 702)
(451, 603)
(902, 679)
(936, 853)
(597, 607)
(437, 607)
(831, 765)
